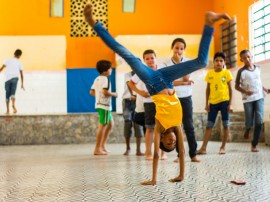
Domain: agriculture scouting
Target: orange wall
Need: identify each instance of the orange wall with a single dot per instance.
(31, 17)
(239, 9)
(150, 17)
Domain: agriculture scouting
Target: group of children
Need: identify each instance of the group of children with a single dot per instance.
(163, 111)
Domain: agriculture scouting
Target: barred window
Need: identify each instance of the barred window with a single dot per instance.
(229, 42)
(259, 17)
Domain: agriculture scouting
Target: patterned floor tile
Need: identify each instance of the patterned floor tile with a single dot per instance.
(70, 173)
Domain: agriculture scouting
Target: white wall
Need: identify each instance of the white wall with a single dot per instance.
(44, 61)
(45, 93)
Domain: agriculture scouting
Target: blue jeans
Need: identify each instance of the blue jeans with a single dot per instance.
(157, 80)
(254, 113)
(212, 114)
(10, 87)
(187, 108)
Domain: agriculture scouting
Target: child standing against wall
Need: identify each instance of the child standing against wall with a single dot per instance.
(101, 89)
(218, 98)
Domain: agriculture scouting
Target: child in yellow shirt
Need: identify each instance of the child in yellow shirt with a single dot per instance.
(218, 98)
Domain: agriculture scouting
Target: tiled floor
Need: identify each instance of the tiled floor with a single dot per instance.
(70, 173)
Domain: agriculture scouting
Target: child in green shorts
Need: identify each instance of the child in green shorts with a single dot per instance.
(102, 92)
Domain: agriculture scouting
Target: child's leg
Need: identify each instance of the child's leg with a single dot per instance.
(149, 112)
(258, 113)
(13, 105)
(184, 68)
(148, 143)
(187, 108)
(107, 131)
(8, 94)
(138, 147)
(226, 131)
(144, 72)
(98, 150)
(128, 108)
(127, 139)
(127, 134)
(13, 88)
(206, 138)
(249, 117)
(138, 134)
(212, 115)
(225, 121)
(7, 105)
(139, 68)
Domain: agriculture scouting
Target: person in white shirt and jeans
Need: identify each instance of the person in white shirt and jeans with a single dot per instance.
(14, 69)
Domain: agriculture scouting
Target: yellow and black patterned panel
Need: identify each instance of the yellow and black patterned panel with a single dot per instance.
(78, 27)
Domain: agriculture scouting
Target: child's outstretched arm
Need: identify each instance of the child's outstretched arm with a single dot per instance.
(181, 154)
(157, 134)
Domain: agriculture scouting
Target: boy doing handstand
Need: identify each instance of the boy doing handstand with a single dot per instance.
(159, 83)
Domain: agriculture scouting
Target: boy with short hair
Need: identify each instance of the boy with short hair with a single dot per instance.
(248, 82)
(129, 105)
(218, 98)
(101, 89)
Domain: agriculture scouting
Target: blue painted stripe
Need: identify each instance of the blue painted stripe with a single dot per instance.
(79, 82)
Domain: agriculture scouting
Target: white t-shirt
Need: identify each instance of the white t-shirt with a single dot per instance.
(135, 79)
(250, 80)
(182, 90)
(126, 94)
(139, 99)
(102, 101)
(13, 68)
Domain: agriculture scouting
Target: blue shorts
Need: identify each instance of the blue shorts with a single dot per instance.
(212, 114)
(10, 87)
